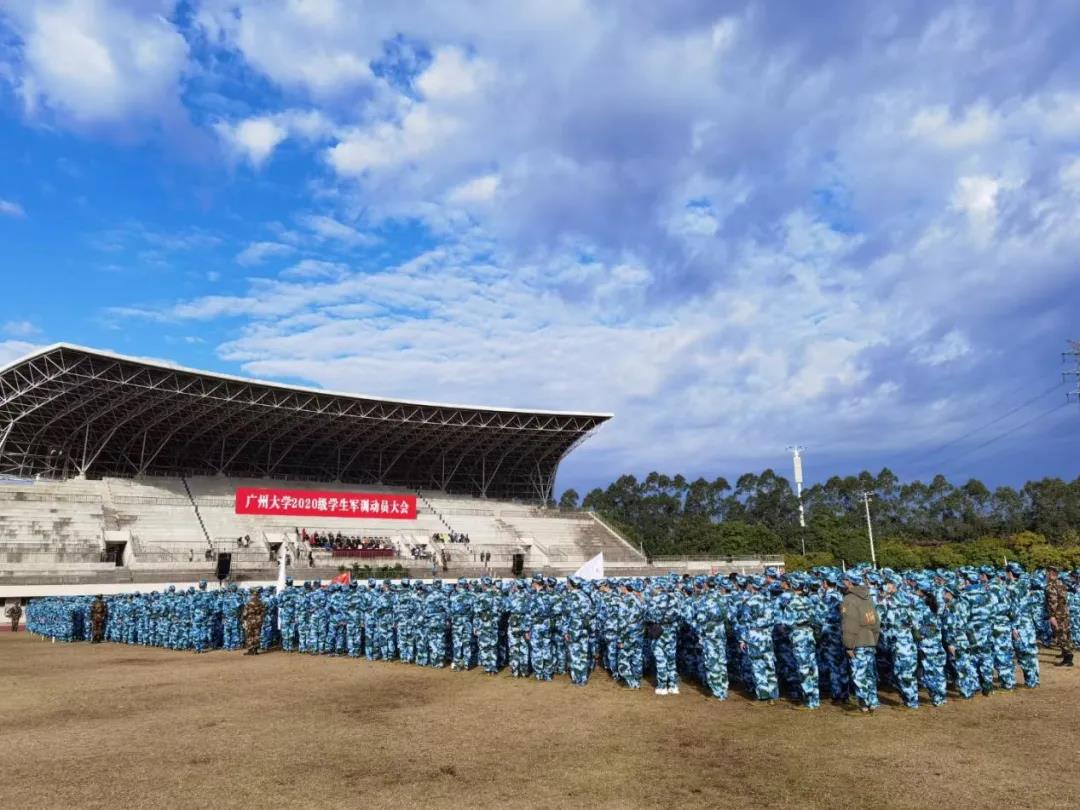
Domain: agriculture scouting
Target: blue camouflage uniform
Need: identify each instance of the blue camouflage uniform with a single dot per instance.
(662, 608)
(575, 627)
(756, 621)
(629, 628)
(487, 610)
(461, 625)
(980, 606)
(800, 616)
(708, 615)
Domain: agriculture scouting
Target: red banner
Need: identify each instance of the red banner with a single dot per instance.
(307, 503)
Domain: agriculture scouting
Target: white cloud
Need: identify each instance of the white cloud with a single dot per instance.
(452, 75)
(951, 347)
(20, 329)
(328, 228)
(936, 126)
(314, 268)
(475, 191)
(98, 62)
(976, 197)
(259, 252)
(254, 139)
(10, 208)
(388, 145)
(14, 349)
(323, 47)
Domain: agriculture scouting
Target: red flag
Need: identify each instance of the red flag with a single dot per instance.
(343, 578)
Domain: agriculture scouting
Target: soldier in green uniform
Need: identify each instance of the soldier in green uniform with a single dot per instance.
(253, 614)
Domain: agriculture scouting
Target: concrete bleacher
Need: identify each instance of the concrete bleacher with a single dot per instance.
(169, 523)
(549, 537)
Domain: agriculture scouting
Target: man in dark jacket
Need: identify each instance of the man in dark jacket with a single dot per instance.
(860, 627)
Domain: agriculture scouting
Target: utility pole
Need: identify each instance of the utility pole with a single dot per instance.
(1073, 356)
(796, 461)
(869, 527)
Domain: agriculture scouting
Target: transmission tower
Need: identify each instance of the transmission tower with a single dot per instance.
(1072, 356)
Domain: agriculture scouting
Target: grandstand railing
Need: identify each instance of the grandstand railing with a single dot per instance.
(150, 500)
(39, 497)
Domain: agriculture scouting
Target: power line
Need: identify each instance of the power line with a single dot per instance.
(995, 421)
(1008, 432)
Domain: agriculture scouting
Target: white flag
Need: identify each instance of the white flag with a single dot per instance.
(282, 553)
(593, 569)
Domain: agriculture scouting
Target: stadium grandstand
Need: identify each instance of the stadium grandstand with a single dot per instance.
(119, 469)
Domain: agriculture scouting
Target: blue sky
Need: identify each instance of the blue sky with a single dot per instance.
(735, 225)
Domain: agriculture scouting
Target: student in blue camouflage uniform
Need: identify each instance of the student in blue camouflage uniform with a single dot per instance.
(462, 602)
(410, 605)
(304, 619)
(897, 628)
(928, 635)
(629, 630)
(980, 605)
(1001, 626)
(287, 607)
(232, 603)
(662, 611)
(1025, 600)
(487, 608)
(756, 621)
(800, 616)
(608, 646)
(201, 613)
(832, 642)
(354, 621)
(958, 645)
(436, 618)
(708, 614)
(369, 601)
(559, 650)
(575, 628)
(539, 630)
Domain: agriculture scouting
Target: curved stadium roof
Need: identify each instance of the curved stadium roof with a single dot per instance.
(69, 409)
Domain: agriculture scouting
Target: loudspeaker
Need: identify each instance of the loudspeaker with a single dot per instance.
(224, 563)
(518, 565)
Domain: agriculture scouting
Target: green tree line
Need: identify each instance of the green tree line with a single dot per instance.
(915, 524)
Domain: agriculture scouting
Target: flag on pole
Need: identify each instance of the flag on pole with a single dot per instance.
(280, 578)
(281, 570)
(593, 569)
(344, 578)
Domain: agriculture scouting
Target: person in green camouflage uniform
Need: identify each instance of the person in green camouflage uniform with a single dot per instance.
(1057, 608)
(253, 614)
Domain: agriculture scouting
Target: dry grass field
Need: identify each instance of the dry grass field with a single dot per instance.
(120, 727)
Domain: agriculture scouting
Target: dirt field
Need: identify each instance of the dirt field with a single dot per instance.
(117, 726)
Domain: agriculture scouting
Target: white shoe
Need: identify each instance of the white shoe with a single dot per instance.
(673, 690)
(660, 691)
(453, 667)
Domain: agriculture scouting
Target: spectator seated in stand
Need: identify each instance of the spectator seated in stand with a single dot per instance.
(343, 542)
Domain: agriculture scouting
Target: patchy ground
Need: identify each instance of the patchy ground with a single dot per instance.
(116, 726)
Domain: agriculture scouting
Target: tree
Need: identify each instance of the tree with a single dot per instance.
(569, 499)
(934, 523)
